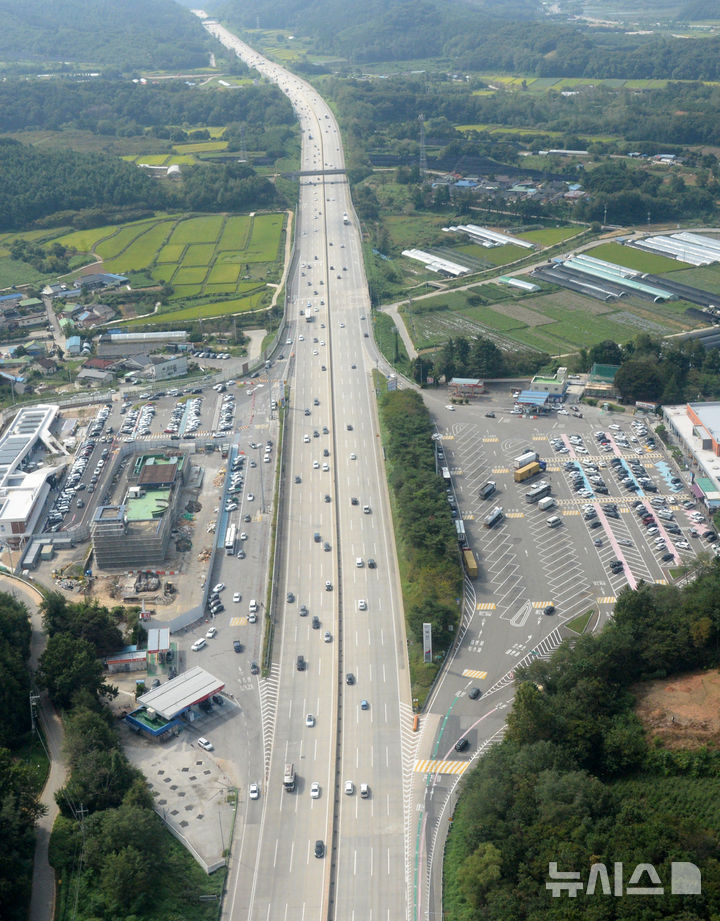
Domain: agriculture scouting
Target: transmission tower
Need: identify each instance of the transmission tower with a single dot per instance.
(423, 152)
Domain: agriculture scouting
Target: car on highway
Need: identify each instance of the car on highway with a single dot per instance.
(364, 705)
(290, 598)
(327, 637)
(349, 788)
(300, 663)
(349, 678)
(309, 720)
(254, 791)
(362, 605)
(315, 790)
(319, 848)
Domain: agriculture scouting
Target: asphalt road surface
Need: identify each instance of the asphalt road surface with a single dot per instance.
(275, 873)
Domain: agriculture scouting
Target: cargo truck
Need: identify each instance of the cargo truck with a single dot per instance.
(487, 489)
(527, 457)
(524, 473)
(538, 492)
(289, 777)
(546, 503)
(495, 516)
(470, 562)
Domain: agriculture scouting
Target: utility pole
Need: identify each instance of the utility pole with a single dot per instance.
(423, 152)
(34, 698)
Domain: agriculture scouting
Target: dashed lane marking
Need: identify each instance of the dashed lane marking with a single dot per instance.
(474, 673)
(433, 766)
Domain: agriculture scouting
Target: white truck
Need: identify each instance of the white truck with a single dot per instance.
(527, 457)
(546, 503)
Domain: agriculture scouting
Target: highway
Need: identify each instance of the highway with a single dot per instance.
(332, 456)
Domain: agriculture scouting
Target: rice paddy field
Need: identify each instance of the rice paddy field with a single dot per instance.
(202, 256)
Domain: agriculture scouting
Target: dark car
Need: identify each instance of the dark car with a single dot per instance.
(595, 524)
(316, 537)
(315, 622)
(354, 501)
(474, 693)
(301, 663)
(254, 668)
(710, 536)
(327, 498)
(549, 609)
(489, 415)
(297, 479)
(217, 699)
(303, 610)
(461, 744)
(371, 563)
(349, 678)
(238, 646)
(290, 597)
(666, 557)
(319, 848)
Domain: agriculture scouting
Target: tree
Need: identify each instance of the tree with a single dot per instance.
(478, 871)
(69, 665)
(639, 379)
(605, 353)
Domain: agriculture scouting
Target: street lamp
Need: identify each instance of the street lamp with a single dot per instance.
(262, 491)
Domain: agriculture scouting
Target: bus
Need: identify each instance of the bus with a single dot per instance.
(289, 777)
(538, 492)
(230, 540)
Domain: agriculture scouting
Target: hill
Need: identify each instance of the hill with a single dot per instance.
(112, 35)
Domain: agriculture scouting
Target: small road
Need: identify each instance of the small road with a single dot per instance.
(42, 899)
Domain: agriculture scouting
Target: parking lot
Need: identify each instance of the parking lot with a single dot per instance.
(618, 511)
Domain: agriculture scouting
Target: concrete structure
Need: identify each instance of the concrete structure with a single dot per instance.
(121, 343)
(136, 533)
(158, 367)
(695, 429)
(22, 495)
(554, 386)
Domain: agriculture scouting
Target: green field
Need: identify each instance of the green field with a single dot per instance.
(194, 147)
(223, 274)
(235, 233)
(140, 251)
(171, 253)
(192, 275)
(198, 254)
(215, 309)
(264, 245)
(632, 258)
(556, 322)
(198, 229)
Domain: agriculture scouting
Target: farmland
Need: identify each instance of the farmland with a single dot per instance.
(555, 322)
(202, 257)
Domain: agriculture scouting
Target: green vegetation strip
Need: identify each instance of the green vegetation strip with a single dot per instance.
(430, 569)
(579, 623)
(600, 764)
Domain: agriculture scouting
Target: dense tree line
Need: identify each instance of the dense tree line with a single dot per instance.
(43, 186)
(478, 357)
(663, 372)
(169, 109)
(424, 529)
(119, 37)
(578, 781)
(19, 806)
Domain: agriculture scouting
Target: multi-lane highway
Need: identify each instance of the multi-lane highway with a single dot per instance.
(333, 487)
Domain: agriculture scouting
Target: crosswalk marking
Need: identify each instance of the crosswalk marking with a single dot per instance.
(501, 470)
(485, 606)
(490, 440)
(661, 582)
(541, 604)
(570, 511)
(515, 515)
(474, 673)
(238, 621)
(433, 766)
(470, 516)
(606, 599)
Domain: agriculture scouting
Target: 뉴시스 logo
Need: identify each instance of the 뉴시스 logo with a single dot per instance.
(685, 879)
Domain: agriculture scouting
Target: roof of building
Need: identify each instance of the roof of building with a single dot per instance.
(533, 397)
(173, 697)
(152, 505)
(158, 639)
(467, 381)
(604, 372)
(158, 471)
(120, 335)
(709, 416)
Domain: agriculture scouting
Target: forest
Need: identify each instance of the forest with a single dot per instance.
(117, 37)
(53, 187)
(579, 780)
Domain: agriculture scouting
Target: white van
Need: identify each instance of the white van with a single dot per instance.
(554, 522)
(545, 503)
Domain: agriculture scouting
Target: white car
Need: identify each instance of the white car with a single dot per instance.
(219, 587)
(243, 535)
(349, 787)
(236, 596)
(362, 605)
(198, 644)
(353, 457)
(250, 497)
(327, 636)
(254, 791)
(309, 720)
(315, 790)
(211, 633)
(205, 743)
(326, 467)
(316, 465)
(450, 408)
(563, 412)
(306, 439)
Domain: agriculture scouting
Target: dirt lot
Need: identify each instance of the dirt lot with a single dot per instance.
(683, 712)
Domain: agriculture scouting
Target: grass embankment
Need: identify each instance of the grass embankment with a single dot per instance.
(430, 571)
(390, 343)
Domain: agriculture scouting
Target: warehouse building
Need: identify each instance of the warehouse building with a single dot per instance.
(695, 429)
